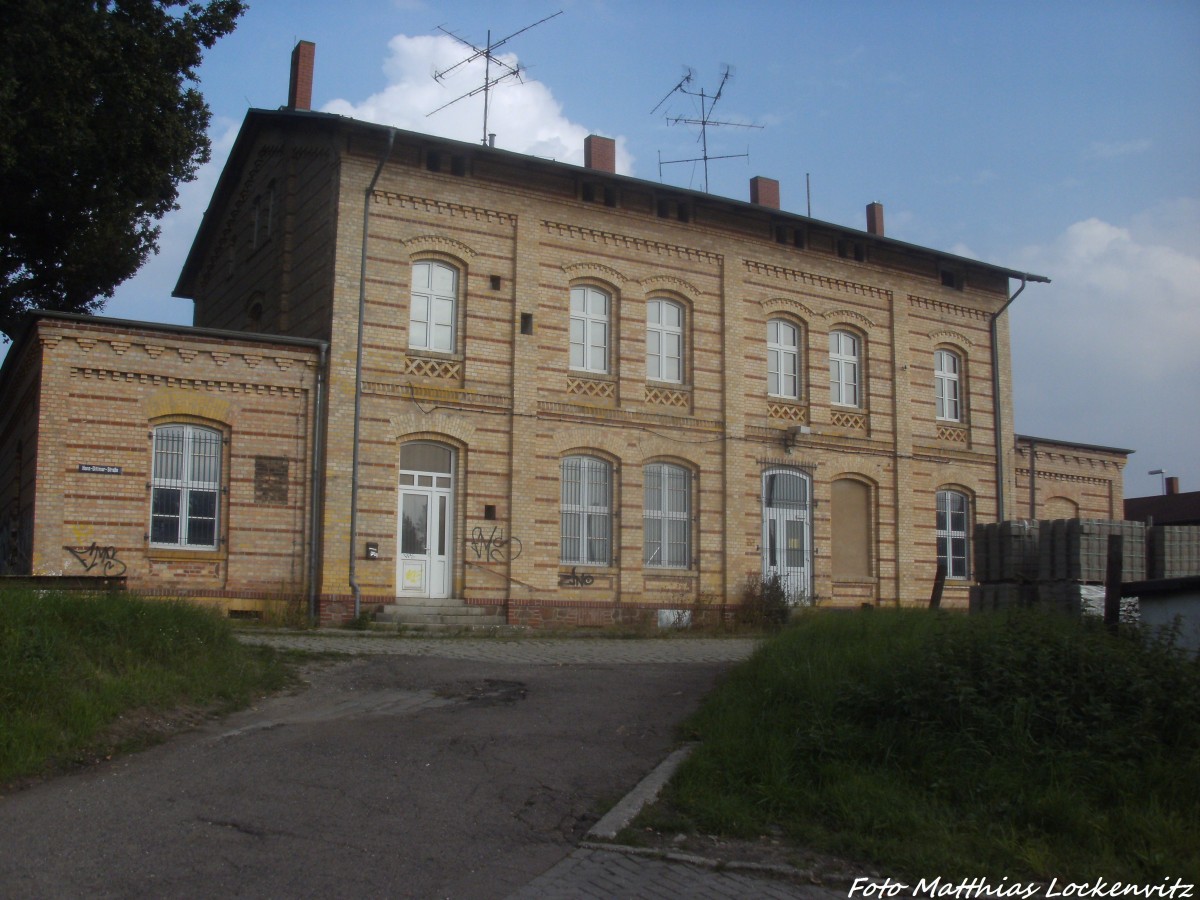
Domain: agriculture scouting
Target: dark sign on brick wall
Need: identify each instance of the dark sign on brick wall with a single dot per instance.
(270, 479)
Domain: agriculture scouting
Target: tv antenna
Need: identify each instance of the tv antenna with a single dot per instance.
(489, 60)
(706, 121)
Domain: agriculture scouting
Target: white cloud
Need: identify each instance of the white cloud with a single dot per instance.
(1117, 149)
(524, 115)
(1106, 353)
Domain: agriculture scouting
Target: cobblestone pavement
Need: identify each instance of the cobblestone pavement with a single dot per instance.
(552, 651)
(590, 870)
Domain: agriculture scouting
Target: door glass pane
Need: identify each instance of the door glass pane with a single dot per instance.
(795, 544)
(414, 524)
(441, 534)
(421, 457)
(772, 556)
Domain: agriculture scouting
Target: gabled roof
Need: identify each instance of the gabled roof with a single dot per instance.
(259, 119)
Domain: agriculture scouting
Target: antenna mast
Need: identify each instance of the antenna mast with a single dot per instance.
(707, 103)
(489, 59)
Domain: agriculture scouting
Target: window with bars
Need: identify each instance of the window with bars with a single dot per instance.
(664, 341)
(586, 537)
(783, 359)
(431, 323)
(953, 513)
(185, 487)
(946, 382)
(666, 516)
(843, 368)
(589, 330)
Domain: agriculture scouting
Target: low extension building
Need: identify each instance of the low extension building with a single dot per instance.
(428, 371)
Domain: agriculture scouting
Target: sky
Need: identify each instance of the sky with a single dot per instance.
(1058, 137)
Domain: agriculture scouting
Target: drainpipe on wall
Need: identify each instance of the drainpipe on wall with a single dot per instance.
(996, 404)
(315, 494)
(362, 307)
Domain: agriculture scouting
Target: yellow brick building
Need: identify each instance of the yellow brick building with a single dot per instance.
(553, 392)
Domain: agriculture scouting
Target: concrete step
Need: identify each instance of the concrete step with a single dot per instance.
(447, 613)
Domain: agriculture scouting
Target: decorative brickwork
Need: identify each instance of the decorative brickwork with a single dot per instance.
(788, 412)
(588, 387)
(433, 368)
(658, 396)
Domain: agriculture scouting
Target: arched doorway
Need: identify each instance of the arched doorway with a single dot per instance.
(425, 513)
(787, 538)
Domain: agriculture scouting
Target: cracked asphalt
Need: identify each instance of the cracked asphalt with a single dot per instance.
(413, 768)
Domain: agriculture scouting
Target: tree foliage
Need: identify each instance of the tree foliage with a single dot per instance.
(100, 121)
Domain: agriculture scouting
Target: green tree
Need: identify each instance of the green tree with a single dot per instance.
(100, 121)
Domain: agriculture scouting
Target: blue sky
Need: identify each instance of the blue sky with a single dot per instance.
(1061, 138)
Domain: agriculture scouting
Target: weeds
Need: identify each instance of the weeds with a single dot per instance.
(70, 665)
(1026, 744)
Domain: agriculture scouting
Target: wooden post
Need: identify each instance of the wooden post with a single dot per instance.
(939, 582)
(1113, 576)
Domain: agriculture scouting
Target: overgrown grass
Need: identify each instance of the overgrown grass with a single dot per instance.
(70, 665)
(1027, 745)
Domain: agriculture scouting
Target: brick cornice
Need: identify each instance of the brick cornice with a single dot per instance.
(628, 242)
(799, 276)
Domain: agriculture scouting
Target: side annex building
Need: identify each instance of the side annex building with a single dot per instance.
(428, 371)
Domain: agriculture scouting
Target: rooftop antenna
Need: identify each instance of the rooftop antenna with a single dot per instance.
(707, 103)
(489, 60)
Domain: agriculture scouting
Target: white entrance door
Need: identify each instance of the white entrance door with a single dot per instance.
(425, 513)
(787, 538)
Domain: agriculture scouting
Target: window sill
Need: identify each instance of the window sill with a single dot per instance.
(166, 553)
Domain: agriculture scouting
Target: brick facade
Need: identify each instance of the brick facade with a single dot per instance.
(282, 251)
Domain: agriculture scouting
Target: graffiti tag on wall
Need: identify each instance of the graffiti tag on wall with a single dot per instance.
(573, 579)
(97, 557)
(495, 547)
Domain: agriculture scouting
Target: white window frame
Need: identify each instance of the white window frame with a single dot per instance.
(433, 312)
(664, 341)
(590, 329)
(953, 527)
(844, 368)
(947, 382)
(186, 463)
(586, 526)
(783, 355)
(667, 516)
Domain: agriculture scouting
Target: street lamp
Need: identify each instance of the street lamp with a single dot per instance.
(1164, 477)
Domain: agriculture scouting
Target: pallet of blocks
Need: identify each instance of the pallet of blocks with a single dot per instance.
(1172, 551)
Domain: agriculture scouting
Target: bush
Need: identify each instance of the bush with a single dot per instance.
(764, 602)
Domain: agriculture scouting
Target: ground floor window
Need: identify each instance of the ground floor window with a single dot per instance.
(586, 536)
(952, 516)
(666, 516)
(185, 487)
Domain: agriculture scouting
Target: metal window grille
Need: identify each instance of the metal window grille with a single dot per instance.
(185, 487)
(586, 535)
(666, 516)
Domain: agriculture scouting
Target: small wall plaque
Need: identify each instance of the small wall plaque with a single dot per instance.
(99, 470)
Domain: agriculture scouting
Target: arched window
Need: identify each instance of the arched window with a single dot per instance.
(185, 487)
(589, 329)
(947, 368)
(953, 520)
(586, 529)
(850, 530)
(431, 323)
(783, 359)
(843, 368)
(664, 341)
(666, 516)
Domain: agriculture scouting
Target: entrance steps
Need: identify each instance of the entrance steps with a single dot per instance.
(435, 614)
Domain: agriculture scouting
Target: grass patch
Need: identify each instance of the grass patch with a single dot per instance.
(1026, 745)
(71, 666)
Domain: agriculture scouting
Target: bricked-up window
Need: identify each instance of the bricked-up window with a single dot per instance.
(271, 479)
(783, 359)
(953, 513)
(664, 341)
(434, 302)
(586, 511)
(666, 516)
(589, 330)
(947, 367)
(843, 368)
(185, 487)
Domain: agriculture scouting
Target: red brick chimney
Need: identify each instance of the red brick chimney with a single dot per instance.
(875, 218)
(600, 153)
(764, 191)
(1172, 484)
(300, 87)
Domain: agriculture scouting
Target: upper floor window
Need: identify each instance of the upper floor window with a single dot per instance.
(434, 307)
(185, 487)
(586, 527)
(843, 368)
(666, 516)
(946, 382)
(664, 341)
(783, 359)
(589, 329)
(953, 512)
